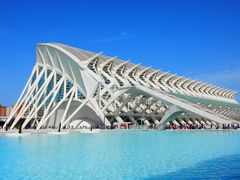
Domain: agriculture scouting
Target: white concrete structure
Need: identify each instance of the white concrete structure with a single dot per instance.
(69, 84)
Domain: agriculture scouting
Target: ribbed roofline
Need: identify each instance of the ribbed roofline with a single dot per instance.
(85, 55)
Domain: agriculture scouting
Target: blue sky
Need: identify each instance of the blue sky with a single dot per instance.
(198, 39)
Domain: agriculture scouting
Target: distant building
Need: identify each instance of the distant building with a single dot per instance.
(9, 110)
(2, 110)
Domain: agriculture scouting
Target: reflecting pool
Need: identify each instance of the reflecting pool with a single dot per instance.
(122, 155)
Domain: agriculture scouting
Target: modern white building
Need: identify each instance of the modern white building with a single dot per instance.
(69, 87)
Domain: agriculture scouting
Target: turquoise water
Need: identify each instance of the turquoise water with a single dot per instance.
(122, 155)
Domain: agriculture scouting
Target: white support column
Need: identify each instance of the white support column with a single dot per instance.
(21, 98)
(24, 101)
(38, 95)
(48, 115)
(132, 118)
(118, 118)
(54, 91)
(128, 98)
(75, 112)
(67, 108)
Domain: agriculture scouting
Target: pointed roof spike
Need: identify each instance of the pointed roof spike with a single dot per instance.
(108, 61)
